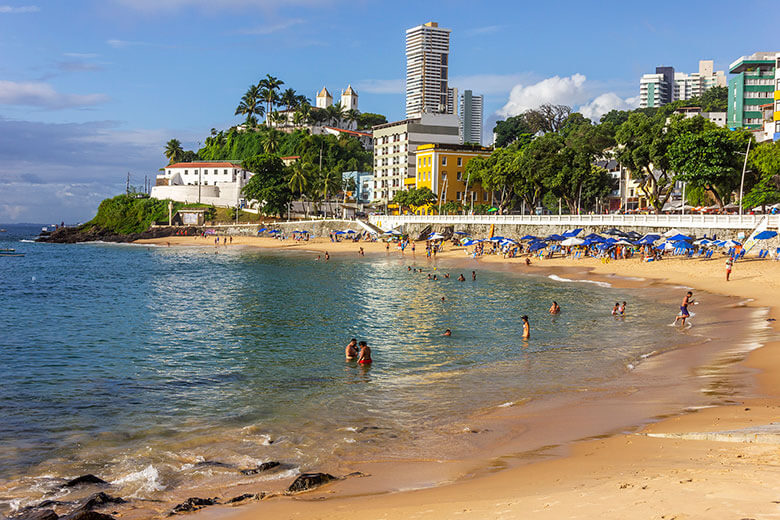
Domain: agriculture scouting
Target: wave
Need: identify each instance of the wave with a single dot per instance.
(561, 279)
(27, 241)
(146, 481)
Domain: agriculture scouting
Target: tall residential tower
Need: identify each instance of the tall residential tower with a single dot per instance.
(752, 85)
(427, 58)
(470, 118)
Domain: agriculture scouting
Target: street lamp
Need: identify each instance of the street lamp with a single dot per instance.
(742, 182)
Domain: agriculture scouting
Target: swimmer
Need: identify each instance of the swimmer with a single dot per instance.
(364, 358)
(442, 299)
(409, 268)
(555, 308)
(461, 278)
(527, 261)
(327, 256)
(473, 275)
(526, 327)
(446, 275)
(622, 309)
(616, 309)
(684, 313)
(352, 351)
(447, 332)
(318, 257)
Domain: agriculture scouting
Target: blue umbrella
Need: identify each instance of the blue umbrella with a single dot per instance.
(461, 233)
(555, 238)
(496, 239)
(529, 237)
(766, 235)
(572, 232)
(536, 246)
(350, 231)
(681, 245)
(469, 243)
(594, 236)
(679, 237)
(261, 230)
(338, 233)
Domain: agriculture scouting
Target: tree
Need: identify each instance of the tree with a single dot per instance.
(301, 176)
(335, 113)
(765, 160)
(268, 185)
(510, 130)
(271, 141)
(289, 98)
(250, 106)
(269, 86)
(452, 207)
(351, 116)
(546, 118)
(369, 120)
(709, 159)
(173, 151)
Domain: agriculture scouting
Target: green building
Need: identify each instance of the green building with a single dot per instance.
(752, 85)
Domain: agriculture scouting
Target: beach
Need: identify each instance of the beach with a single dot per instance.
(681, 463)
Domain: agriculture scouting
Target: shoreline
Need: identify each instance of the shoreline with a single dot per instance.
(350, 498)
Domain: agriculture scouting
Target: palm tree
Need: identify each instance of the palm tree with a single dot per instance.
(300, 180)
(250, 105)
(173, 151)
(335, 113)
(279, 118)
(329, 182)
(318, 116)
(352, 116)
(271, 141)
(289, 98)
(269, 87)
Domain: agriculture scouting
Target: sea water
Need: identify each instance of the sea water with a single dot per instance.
(161, 367)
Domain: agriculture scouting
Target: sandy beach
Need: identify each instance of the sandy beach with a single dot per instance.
(684, 464)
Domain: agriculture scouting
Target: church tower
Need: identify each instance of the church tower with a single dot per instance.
(349, 99)
(324, 99)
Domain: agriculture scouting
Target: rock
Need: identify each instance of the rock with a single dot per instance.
(49, 503)
(84, 479)
(35, 514)
(308, 481)
(245, 496)
(213, 464)
(356, 474)
(193, 504)
(265, 466)
(99, 500)
(87, 515)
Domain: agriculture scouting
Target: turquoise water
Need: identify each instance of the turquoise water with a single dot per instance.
(136, 363)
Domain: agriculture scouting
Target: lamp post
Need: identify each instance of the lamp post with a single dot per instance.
(742, 182)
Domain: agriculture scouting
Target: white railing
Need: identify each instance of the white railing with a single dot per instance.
(667, 221)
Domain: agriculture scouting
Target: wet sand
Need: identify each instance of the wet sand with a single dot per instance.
(643, 455)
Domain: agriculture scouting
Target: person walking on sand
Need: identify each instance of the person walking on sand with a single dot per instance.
(526, 327)
(555, 308)
(729, 265)
(352, 351)
(364, 358)
(684, 313)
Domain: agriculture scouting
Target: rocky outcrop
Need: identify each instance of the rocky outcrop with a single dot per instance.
(245, 497)
(72, 235)
(87, 515)
(265, 466)
(35, 514)
(99, 500)
(84, 479)
(193, 504)
(307, 481)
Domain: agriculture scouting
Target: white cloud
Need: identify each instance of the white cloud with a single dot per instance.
(80, 55)
(381, 86)
(43, 95)
(7, 9)
(488, 29)
(602, 104)
(273, 28)
(121, 44)
(556, 90)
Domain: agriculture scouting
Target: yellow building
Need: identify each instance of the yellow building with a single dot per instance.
(442, 169)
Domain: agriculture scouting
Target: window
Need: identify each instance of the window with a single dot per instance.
(225, 172)
(460, 176)
(444, 161)
(460, 161)
(458, 195)
(206, 171)
(484, 196)
(185, 172)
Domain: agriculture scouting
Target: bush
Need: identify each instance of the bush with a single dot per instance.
(126, 214)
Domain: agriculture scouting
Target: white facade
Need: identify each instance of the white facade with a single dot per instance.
(427, 64)
(396, 143)
(216, 183)
(652, 90)
(349, 99)
(323, 98)
(470, 117)
(687, 86)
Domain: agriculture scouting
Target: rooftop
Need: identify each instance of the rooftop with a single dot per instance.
(205, 164)
(757, 58)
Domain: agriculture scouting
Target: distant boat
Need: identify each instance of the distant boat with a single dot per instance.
(10, 252)
(3, 230)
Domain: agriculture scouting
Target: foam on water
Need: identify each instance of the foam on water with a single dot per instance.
(562, 279)
(141, 483)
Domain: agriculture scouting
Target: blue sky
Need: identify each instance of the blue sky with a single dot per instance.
(91, 90)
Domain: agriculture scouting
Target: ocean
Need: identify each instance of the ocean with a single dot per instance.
(165, 368)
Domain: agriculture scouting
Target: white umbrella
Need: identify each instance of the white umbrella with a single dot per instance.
(672, 232)
(436, 236)
(624, 243)
(572, 241)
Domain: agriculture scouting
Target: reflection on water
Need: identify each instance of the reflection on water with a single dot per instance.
(138, 362)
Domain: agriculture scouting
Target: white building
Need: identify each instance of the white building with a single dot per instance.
(687, 86)
(719, 118)
(323, 98)
(427, 58)
(349, 99)
(395, 144)
(470, 117)
(218, 183)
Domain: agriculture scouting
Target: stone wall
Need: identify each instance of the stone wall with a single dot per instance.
(316, 228)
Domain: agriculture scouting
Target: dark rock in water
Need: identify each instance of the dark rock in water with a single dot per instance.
(35, 514)
(49, 503)
(213, 464)
(84, 479)
(99, 500)
(356, 474)
(265, 466)
(245, 496)
(308, 481)
(70, 235)
(87, 515)
(193, 504)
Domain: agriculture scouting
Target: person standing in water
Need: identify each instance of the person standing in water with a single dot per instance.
(555, 308)
(684, 314)
(616, 309)
(622, 309)
(526, 327)
(352, 351)
(364, 358)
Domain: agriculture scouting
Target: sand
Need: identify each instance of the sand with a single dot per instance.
(692, 464)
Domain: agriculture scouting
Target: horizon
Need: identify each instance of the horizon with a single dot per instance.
(90, 91)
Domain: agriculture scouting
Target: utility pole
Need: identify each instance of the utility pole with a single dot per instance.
(127, 184)
(742, 183)
(200, 172)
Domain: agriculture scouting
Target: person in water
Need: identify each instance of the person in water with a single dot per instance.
(461, 278)
(555, 308)
(622, 309)
(364, 358)
(527, 261)
(616, 309)
(526, 327)
(447, 332)
(352, 351)
(473, 275)
(684, 313)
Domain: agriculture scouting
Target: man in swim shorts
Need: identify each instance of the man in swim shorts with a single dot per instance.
(684, 314)
(364, 358)
(352, 351)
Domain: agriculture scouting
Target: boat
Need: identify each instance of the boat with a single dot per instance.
(10, 252)
(3, 230)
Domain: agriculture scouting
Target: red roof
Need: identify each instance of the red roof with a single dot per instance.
(353, 132)
(291, 157)
(203, 165)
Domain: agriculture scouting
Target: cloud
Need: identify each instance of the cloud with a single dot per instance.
(80, 55)
(121, 44)
(77, 66)
(381, 86)
(603, 103)
(488, 29)
(7, 9)
(43, 95)
(273, 28)
(556, 90)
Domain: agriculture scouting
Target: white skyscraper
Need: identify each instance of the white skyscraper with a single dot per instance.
(470, 118)
(427, 57)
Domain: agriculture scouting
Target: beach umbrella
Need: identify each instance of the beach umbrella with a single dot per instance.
(339, 233)
(510, 241)
(651, 237)
(633, 235)
(572, 241)
(536, 246)
(461, 233)
(624, 242)
(572, 232)
(261, 230)
(528, 237)
(594, 236)
(701, 242)
(496, 239)
(614, 232)
(766, 235)
(730, 243)
(346, 231)
(678, 237)
(436, 236)
(469, 243)
(555, 238)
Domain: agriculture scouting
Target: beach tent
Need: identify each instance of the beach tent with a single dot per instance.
(679, 237)
(572, 241)
(572, 232)
(765, 235)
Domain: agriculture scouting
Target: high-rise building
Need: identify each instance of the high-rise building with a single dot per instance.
(753, 84)
(656, 89)
(452, 99)
(470, 118)
(687, 86)
(427, 58)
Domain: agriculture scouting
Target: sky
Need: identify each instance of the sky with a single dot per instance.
(92, 90)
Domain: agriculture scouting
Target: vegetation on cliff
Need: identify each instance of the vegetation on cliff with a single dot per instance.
(125, 214)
